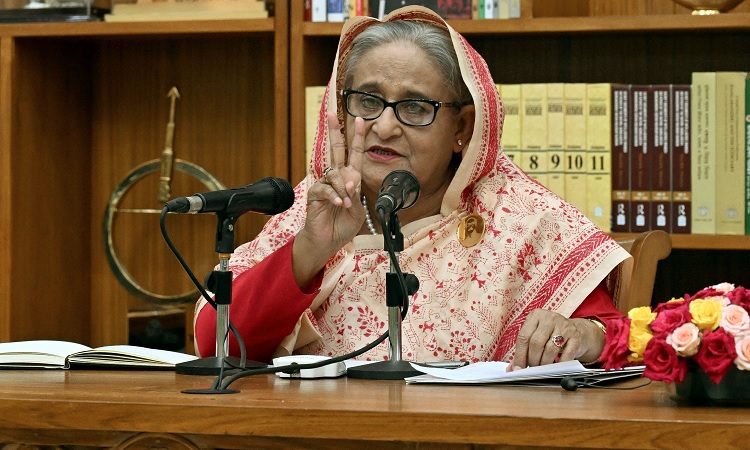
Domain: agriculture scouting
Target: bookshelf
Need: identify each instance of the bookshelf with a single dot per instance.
(587, 41)
(83, 104)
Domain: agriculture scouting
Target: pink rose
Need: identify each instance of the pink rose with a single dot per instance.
(685, 340)
(735, 320)
(743, 353)
(669, 319)
(662, 363)
(616, 351)
(723, 287)
(716, 353)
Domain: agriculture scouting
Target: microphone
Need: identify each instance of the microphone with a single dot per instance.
(400, 189)
(267, 196)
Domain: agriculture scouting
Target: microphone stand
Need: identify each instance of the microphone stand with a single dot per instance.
(394, 368)
(222, 280)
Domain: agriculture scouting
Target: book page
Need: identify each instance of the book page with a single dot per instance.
(37, 353)
(129, 355)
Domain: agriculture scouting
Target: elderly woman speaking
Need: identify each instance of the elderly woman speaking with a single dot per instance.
(507, 270)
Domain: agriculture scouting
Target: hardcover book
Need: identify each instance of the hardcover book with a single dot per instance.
(511, 97)
(660, 156)
(640, 182)
(730, 153)
(680, 170)
(621, 150)
(556, 138)
(599, 155)
(575, 106)
(534, 131)
(703, 155)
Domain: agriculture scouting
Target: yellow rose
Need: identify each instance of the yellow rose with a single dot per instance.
(706, 313)
(637, 341)
(641, 317)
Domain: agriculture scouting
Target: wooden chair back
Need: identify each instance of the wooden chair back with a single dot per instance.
(631, 283)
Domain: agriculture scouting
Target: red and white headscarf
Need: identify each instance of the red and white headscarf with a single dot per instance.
(537, 252)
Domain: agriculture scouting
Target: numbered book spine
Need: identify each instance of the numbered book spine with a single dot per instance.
(621, 151)
(730, 153)
(703, 155)
(575, 144)
(511, 96)
(534, 131)
(640, 182)
(660, 154)
(599, 155)
(681, 148)
(556, 138)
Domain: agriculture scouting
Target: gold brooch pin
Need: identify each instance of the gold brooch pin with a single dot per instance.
(471, 230)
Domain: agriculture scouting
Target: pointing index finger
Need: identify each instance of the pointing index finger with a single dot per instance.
(338, 144)
(358, 145)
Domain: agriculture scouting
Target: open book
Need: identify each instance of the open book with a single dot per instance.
(494, 372)
(65, 355)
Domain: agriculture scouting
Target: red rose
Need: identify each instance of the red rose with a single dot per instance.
(615, 353)
(716, 353)
(669, 319)
(677, 304)
(662, 363)
(707, 292)
(740, 296)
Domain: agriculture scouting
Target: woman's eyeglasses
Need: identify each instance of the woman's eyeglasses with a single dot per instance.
(411, 111)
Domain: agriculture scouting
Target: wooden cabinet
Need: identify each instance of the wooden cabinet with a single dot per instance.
(597, 41)
(84, 104)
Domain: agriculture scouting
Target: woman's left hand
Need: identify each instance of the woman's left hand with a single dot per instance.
(547, 336)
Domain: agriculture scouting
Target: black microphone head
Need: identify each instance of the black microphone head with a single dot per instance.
(284, 194)
(569, 383)
(400, 190)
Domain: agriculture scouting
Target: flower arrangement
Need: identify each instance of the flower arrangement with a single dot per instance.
(710, 328)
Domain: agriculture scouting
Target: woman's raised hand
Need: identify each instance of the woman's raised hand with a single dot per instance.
(335, 213)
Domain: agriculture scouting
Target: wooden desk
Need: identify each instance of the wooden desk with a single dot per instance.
(147, 410)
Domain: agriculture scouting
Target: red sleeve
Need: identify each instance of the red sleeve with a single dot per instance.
(598, 305)
(266, 305)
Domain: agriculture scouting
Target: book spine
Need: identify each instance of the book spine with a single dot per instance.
(640, 182)
(514, 9)
(660, 156)
(335, 11)
(308, 11)
(556, 138)
(681, 148)
(599, 154)
(621, 151)
(730, 153)
(511, 96)
(319, 11)
(575, 144)
(703, 156)
(534, 131)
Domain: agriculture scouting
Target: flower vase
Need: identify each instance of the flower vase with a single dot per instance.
(698, 389)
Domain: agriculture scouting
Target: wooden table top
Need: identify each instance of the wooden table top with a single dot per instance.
(330, 410)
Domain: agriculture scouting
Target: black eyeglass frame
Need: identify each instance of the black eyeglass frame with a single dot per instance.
(345, 93)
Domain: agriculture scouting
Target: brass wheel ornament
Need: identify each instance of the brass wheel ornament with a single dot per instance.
(122, 274)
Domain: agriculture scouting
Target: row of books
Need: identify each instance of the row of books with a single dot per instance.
(633, 158)
(340, 10)
(166, 10)
(671, 157)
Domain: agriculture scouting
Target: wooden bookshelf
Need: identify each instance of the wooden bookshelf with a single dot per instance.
(596, 41)
(84, 104)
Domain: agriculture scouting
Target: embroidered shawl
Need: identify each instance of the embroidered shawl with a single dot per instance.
(537, 252)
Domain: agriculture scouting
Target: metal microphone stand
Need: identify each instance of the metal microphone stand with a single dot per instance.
(394, 368)
(222, 287)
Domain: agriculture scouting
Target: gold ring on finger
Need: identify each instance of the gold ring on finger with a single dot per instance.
(325, 173)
